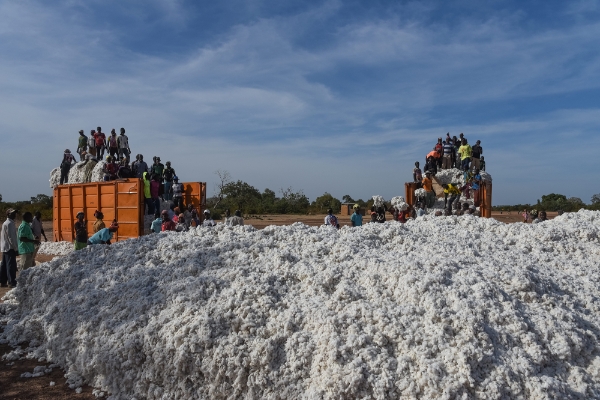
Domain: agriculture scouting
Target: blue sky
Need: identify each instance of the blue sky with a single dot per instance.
(318, 95)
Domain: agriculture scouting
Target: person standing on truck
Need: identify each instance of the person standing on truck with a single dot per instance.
(124, 170)
(177, 192)
(113, 144)
(417, 174)
(9, 245)
(27, 241)
(123, 143)
(157, 168)
(92, 143)
(104, 236)
(154, 191)
(38, 231)
(429, 193)
(167, 175)
(477, 151)
(447, 157)
(82, 145)
(111, 168)
(439, 147)
(81, 234)
(141, 167)
(100, 143)
(465, 152)
(65, 166)
(147, 195)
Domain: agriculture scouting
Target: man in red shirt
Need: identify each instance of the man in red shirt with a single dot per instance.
(100, 143)
(167, 224)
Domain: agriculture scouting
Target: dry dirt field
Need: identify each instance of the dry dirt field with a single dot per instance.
(12, 386)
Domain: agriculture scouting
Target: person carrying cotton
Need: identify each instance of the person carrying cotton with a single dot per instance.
(104, 236)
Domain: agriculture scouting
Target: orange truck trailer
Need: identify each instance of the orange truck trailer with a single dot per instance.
(485, 208)
(122, 200)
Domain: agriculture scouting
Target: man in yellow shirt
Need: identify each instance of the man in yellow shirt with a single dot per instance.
(454, 193)
(465, 152)
(428, 186)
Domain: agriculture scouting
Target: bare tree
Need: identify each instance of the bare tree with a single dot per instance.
(224, 179)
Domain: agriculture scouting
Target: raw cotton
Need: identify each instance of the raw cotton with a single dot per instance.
(399, 204)
(378, 201)
(56, 248)
(77, 174)
(455, 176)
(439, 307)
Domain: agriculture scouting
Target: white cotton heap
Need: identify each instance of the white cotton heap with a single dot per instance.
(378, 201)
(97, 172)
(455, 176)
(420, 192)
(399, 203)
(446, 307)
(55, 248)
(55, 178)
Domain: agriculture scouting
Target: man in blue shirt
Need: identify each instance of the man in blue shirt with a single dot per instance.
(356, 218)
(103, 236)
(156, 226)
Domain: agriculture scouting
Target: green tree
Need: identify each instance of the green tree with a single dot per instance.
(242, 196)
(322, 203)
(595, 198)
(555, 202)
(43, 200)
(268, 200)
(0, 198)
(347, 199)
(292, 202)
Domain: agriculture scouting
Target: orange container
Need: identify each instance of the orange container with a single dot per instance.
(122, 200)
(485, 207)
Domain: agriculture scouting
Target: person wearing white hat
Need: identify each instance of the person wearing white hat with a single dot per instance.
(208, 221)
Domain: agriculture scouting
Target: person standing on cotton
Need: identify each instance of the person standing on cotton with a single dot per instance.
(27, 242)
(123, 143)
(9, 245)
(82, 145)
(356, 218)
(429, 193)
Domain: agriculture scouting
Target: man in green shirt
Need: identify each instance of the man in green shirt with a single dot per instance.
(82, 145)
(26, 241)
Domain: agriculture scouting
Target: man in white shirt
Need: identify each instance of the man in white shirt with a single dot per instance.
(9, 245)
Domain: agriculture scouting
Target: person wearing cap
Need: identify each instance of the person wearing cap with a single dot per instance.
(82, 145)
(104, 236)
(81, 234)
(65, 166)
(167, 223)
(330, 219)
(113, 144)
(100, 143)
(208, 221)
(236, 219)
(429, 193)
(477, 151)
(27, 241)
(123, 143)
(356, 218)
(177, 192)
(99, 223)
(167, 176)
(9, 245)
(38, 231)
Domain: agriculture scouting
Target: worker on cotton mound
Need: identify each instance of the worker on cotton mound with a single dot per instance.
(304, 312)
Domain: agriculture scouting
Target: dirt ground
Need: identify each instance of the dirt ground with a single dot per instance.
(12, 386)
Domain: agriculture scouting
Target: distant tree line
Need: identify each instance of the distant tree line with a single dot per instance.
(555, 202)
(41, 203)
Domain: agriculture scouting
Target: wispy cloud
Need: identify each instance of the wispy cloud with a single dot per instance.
(317, 98)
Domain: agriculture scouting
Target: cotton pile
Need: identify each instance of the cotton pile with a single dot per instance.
(454, 175)
(77, 174)
(55, 248)
(446, 307)
(378, 201)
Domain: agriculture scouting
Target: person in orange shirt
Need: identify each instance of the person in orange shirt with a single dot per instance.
(428, 186)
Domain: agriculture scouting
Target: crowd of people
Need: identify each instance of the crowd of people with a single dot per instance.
(23, 241)
(451, 153)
